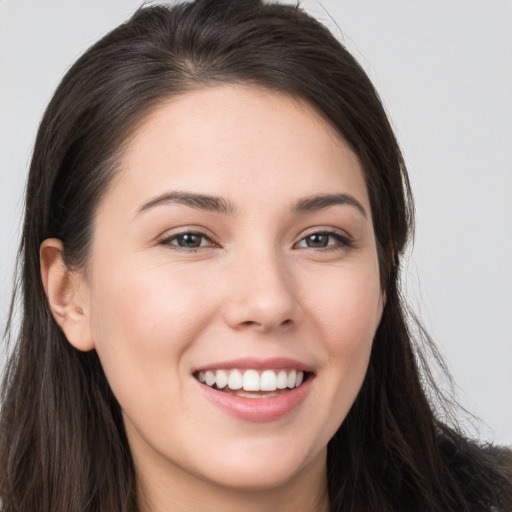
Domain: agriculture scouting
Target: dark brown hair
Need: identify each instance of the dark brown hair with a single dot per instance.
(62, 444)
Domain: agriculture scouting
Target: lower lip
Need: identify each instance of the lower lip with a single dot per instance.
(257, 410)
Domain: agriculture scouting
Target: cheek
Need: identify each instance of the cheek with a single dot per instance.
(143, 319)
(347, 317)
(348, 307)
(153, 302)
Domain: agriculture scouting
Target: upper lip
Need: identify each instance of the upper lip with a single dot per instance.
(274, 363)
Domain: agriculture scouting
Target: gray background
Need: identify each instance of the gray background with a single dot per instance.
(444, 71)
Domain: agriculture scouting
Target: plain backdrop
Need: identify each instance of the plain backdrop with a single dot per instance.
(444, 71)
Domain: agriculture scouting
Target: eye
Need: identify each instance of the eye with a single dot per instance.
(324, 240)
(188, 240)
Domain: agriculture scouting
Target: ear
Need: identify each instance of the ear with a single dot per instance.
(67, 295)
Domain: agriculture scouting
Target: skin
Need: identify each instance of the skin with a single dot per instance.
(155, 311)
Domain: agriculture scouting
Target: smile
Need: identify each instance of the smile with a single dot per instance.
(237, 381)
(281, 384)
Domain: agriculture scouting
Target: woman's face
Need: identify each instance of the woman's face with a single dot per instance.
(235, 248)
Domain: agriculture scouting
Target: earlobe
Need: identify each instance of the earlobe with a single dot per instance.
(66, 294)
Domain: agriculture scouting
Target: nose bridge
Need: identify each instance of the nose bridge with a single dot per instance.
(262, 289)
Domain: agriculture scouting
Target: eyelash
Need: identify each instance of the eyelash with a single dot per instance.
(342, 241)
(168, 241)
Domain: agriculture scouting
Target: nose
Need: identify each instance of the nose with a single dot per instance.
(262, 294)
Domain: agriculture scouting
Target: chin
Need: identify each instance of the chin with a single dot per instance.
(263, 468)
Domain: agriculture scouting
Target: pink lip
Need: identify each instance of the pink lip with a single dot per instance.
(257, 409)
(275, 363)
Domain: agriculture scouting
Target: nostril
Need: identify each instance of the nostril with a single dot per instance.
(249, 323)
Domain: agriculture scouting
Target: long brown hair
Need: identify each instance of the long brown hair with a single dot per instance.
(62, 444)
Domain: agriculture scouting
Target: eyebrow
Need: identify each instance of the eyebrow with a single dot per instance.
(221, 205)
(319, 202)
(198, 201)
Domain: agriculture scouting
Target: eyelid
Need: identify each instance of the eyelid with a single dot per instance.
(169, 235)
(345, 239)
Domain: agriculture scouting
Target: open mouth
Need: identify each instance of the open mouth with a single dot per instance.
(252, 383)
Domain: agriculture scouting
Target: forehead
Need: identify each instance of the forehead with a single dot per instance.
(241, 142)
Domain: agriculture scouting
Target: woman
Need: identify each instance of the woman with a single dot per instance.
(211, 320)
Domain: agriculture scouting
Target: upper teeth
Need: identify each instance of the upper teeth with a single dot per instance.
(252, 380)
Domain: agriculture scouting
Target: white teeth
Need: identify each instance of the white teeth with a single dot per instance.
(221, 379)
(235, 380)
(209, 378)
(291, 379)
(252, 380)
(282, 380)
(268, 381)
